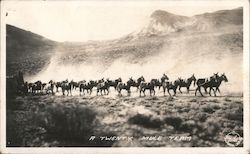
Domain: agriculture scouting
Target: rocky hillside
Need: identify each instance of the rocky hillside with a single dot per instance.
(26, 51)
(162, 22)
(169, 42)
(216, 33)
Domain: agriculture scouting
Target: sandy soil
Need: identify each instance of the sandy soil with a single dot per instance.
(154, 121)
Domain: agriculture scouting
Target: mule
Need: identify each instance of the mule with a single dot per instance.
(147, 86)
(114, 83)
(216, 83)
(137, 82)
(164, 77)
(124, 86)
(30, 85)
(66, 86)
(102, 86)
(87, 86)
(49, 87)
(166, 85)
(213, 81)
(157, 82)
(37, 87)
(58, 85)
(186, 83)
(74, 84)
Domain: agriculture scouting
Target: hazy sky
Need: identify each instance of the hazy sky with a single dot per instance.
(96, 20)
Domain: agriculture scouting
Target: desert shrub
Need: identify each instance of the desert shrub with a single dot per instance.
(14, 132)
(239, 130)
(148, 105)
(147, 121)
(189, 126)
(170, 99)
(195, 106)
(227, 99)
(185, 110)
(201, 116)
(238, 102)
(233, 105)
(193, 100)
(153, 98)
(211, 128)
(71, 123)
(14, 104)
(235, 114)
(21, 129)
(215, 106)
(174, 121)
(207, 108)
(213, 100)
(56, 124)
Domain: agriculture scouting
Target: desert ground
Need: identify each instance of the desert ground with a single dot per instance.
(123, 121)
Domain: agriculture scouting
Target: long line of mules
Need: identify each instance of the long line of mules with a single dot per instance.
(17, 86)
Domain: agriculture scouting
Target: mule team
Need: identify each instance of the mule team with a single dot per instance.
(103, 86)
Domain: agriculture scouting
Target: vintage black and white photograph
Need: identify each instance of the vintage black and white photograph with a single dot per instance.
(123, 74)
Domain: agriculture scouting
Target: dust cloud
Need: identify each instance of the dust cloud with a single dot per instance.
(151, 68)
(177, 60)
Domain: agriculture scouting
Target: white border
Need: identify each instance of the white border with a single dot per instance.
(246, 77)
(245, 149)
(3, 82)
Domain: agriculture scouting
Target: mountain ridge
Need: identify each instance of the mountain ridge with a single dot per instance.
(193, 40)
(26, 51)
(163, 22)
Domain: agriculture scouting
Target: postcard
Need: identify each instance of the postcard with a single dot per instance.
(125, 76)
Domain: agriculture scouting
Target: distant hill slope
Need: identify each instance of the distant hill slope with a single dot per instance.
(162, 22)
(215, 33)
(218, 19)
(26, 51)
(175, 41)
